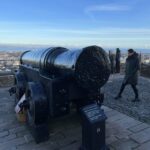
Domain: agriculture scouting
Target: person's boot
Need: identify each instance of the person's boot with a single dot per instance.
(118, 97)
(136, 99)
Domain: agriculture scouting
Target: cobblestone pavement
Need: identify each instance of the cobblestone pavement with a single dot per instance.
(122, 132)
(139, 110)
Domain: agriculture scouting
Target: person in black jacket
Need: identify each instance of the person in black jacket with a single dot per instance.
(118, 55)
(131, 74)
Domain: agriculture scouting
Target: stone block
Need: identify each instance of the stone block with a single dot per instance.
(142, 136)
(124, 145)
(139, 127)
(145, 146)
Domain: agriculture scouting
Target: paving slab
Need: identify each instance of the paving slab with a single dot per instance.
(142, 136)
(124, 145)
(145, 146)
(139, 127)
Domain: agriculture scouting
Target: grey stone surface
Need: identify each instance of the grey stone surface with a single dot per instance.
(122, 131)
(128, 122)
(139, 127)
(114, 129)
(142, 136)
(28, 138)
(17, 129)
(72, 146)
(145, 146)
(3, 133)
(8, 138)
(111, 139)
(124, 145)
(116, 117)
(139, 110)
(12, 143)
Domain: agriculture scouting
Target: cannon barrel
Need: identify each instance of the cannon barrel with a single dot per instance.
(89, 66)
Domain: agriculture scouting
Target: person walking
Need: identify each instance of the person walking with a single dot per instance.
(131, 74)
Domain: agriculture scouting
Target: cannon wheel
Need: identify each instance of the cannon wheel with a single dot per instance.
(20, 83)
(37, 114)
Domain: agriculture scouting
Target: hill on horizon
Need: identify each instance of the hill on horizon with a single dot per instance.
(13, 47)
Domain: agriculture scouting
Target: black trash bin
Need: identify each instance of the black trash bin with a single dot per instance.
(93, 128)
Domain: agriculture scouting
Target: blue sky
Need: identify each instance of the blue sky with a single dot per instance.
(77, 23)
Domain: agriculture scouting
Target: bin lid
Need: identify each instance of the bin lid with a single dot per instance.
(93, 113)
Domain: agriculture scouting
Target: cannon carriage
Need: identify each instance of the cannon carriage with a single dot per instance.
(54, 78)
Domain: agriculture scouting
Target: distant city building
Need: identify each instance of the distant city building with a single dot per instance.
(9, 61)
(145, 58)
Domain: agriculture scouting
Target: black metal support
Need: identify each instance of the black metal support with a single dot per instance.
(12, 90)
(40, 131)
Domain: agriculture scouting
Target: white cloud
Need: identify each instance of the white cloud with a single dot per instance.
(105, 37)
(96, 31)
(63, 32)
(109, 7)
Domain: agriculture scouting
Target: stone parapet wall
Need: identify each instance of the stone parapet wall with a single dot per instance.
(145, 70)
(6, 80)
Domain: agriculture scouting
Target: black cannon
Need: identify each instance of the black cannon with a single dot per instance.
(54, 78)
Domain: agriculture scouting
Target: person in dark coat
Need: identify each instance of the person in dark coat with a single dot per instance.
(131, 74)
(112, 61)
(118, 55)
